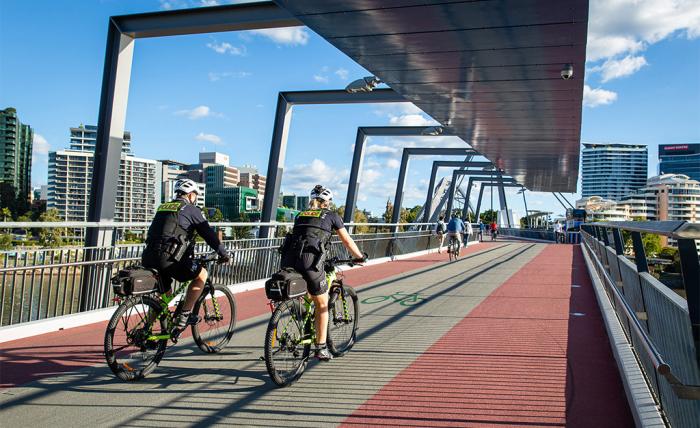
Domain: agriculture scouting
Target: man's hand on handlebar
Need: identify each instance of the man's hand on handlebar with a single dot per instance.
(224, 258)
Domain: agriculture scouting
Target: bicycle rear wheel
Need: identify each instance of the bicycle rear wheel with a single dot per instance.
(343, 318)
(217, 311)
(287, 343)
(129, 354)
(451, 250)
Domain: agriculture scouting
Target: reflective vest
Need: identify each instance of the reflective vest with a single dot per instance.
(165, 235)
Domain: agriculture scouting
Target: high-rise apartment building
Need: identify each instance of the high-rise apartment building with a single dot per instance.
(171, 171)
(254, 181)
(70, 180)
(613, 171)
(216, 176)
(16, 140)
(680, 159)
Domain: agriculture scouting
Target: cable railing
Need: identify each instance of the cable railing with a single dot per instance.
(48, 282)
(660, 325)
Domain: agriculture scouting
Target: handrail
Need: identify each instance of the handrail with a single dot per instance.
(688, 392)
(672, 229)
(106, 224)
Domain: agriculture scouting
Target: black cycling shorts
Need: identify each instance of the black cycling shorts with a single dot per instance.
(184, 270)
(316, 283)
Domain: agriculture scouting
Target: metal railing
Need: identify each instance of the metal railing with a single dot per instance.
(544, 235)
(661, 326)
(44, 283)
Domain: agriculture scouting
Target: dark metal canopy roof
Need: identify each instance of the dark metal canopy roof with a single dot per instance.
(491, 69)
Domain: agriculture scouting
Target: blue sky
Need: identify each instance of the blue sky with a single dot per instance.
(218, 92)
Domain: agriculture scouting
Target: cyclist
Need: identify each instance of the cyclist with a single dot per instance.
(305, 250)
(170, 247)
(494, 230)
(482, 228)
(440, 231)
(455, 228)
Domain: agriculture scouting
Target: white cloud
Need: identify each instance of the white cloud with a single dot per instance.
(597, 97)
(411, 120)
(40, 146)
(616, 68)
(301, 178)
(380, 150)
(216, 76)
(320, 78)
(206, 3)
(292, 36)
(198, 112)
(342, 73)
(209, 138)
(623, 27)
(227, 48)
(393, 163)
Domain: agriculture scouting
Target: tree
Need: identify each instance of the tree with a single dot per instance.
(412, 214)
(6, 214)
(357, 217)
(5, 241)
(243, 232)
(25, 218)
(652, 244)
(51, 236)
(489, 216)
(213, 214)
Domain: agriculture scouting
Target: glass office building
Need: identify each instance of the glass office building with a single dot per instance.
(680, 159)
(612, 171)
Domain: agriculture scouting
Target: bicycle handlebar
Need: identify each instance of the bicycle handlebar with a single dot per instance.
(207, 258)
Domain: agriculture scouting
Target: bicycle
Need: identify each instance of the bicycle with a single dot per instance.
(138, 332)
(291, 332)
(453, 248)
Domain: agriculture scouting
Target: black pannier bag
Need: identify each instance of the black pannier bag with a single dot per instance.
(134, 280)
(285, 284)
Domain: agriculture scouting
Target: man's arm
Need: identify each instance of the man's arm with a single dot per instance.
(202, 227)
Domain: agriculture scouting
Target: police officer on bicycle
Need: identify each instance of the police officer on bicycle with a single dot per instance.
(170, 247)
(305, 250)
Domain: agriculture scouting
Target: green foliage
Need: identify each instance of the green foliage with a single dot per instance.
(652, 244)
(244, 232)
(51, 237)
(412, 214)
(6, 214)
(672, 254)
(488, 216)
(131, 237)
(358, 217)
(5, 241)
(213, 214)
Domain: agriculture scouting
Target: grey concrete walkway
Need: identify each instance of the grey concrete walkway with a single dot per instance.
(232, 388)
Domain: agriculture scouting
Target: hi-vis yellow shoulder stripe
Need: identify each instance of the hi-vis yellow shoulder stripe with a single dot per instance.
(310, 213)
(169, 206)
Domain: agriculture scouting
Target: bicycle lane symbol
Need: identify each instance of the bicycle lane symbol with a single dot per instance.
(404, 299)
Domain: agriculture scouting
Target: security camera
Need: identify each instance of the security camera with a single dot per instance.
(432, 130)
(567, 72)
(366, 84)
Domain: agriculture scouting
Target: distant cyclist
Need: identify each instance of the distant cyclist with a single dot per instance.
(455, 229)
(170, 247)
(305, 250)
(494, 230)
(440, 231)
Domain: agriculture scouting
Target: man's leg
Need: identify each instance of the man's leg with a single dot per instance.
(194, 290)
(442, 242)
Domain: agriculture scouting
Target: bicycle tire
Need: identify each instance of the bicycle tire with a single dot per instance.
(340, 340)
(287, 314)
(121, 367)
(216, 339)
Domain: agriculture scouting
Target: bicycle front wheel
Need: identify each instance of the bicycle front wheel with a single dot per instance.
(287, 343)
(343, 318)
(132, 345)
(217, 311)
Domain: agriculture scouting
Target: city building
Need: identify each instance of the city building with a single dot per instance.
(171, 172)
(289, 201)
(233, 201)
(601, 209)
(216, 176)
(250, 177)
(70, 180)
(680, 159)
(302, 202)
(213, 158)
(16, 140)
(612, 171)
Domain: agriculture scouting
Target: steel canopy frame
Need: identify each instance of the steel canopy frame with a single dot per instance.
(491, 182)
(359, 153)
(280, 134)
(421, 151)
(501, 181)
(433, 175)
(121, 33)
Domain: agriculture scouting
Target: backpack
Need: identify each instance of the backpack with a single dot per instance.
(440, 227)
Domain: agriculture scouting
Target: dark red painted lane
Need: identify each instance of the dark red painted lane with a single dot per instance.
(533, 353)
(50, 354)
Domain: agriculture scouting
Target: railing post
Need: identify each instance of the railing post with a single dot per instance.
(617, 238)
(690, 271)
(640, 257)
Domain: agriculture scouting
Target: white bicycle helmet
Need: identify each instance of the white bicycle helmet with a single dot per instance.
(186, 186)
(320, 192)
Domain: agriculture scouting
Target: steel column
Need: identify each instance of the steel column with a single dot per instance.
(691, 281)
(433, 174)
(478, 203)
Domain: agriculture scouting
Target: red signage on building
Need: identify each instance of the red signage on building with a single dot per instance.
(679, 147)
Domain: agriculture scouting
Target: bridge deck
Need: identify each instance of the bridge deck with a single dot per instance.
(509, 335)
